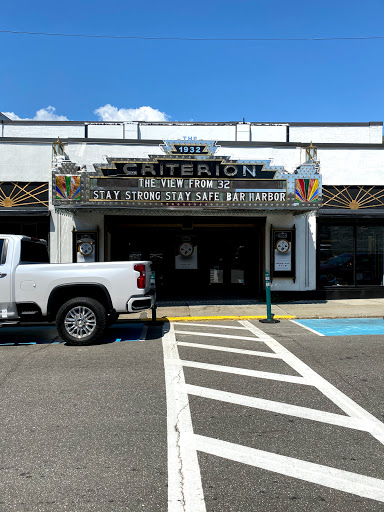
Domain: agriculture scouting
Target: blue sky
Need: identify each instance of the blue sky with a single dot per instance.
(193, 80)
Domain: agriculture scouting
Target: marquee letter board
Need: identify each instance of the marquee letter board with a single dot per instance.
(283, 252)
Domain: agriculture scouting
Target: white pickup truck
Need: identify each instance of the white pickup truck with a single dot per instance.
(82, 298)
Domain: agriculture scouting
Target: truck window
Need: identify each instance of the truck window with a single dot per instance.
(3, 251)
(33, 252)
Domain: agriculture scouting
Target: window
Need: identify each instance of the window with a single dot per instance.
(3, 251)
(33, 252)
(336, 255)
(350, 254)
(369, 255)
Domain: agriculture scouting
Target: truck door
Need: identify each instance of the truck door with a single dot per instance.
(5, 277)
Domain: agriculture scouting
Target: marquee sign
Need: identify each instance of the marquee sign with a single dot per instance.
(186, 192)
(190, 167)
(188, 175)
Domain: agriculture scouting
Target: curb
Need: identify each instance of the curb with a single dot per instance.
(223, 317)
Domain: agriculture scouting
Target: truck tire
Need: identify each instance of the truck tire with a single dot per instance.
(81, 321)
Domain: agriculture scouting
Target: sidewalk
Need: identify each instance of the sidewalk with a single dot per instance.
(221, 310)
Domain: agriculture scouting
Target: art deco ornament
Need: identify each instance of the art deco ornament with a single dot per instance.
(311, 153)
(58, 147)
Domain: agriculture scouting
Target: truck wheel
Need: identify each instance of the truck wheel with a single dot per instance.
(81, 321)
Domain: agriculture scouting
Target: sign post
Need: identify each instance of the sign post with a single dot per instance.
(269, 319)
(154, 307)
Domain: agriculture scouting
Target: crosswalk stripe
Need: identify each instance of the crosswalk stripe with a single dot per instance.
(229, 349)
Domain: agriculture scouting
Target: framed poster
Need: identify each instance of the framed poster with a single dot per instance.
(283, 252)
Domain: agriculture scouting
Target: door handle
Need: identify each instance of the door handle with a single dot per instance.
(2, 275)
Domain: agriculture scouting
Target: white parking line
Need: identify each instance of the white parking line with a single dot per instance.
(203, 324)
(308, 328)
(185, 491)
(229, 349)
(353, 483)
(244, 371)
(278, 407)
(346, 404)
(214, 335)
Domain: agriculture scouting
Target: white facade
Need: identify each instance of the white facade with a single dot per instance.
(319, 133)
(26, 161)
(348, 154)
(344, 150)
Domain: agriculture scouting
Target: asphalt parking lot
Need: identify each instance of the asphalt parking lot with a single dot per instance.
(101, 428)
(47, 334)
(83, 428)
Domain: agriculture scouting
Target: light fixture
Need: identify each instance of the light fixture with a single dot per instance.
(58, 147)
(311, 152)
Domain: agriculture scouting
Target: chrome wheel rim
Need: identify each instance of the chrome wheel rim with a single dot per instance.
(80, 322)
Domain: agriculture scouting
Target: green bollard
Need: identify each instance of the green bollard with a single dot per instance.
(269, 319)
(154, 307)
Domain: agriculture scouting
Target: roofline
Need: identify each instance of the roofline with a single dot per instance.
(158, 142)
(188, 123)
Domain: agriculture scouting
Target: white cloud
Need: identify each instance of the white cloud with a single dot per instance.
(48, 114)
(44, 114)
(111, 113)
(12, 116)
(106, 113)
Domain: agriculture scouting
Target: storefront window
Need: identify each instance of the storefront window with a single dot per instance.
(336, 255)
(369, 255)
(350, 255)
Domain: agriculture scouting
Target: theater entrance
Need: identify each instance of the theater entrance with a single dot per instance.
(193, 258)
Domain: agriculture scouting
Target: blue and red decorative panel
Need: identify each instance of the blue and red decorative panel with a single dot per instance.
(68, 187)
(306, 190)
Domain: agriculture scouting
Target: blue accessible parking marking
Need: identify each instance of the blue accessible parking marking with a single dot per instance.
(47, 334)
(123, 332)
(344, 326)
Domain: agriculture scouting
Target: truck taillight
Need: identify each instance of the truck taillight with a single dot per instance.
(141, 279)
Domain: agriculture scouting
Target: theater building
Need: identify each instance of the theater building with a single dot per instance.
(213, 205)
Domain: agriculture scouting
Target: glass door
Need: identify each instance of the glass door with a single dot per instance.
(200, 261)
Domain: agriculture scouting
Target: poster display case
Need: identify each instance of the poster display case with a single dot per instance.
(283, 252)
(85, 246)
